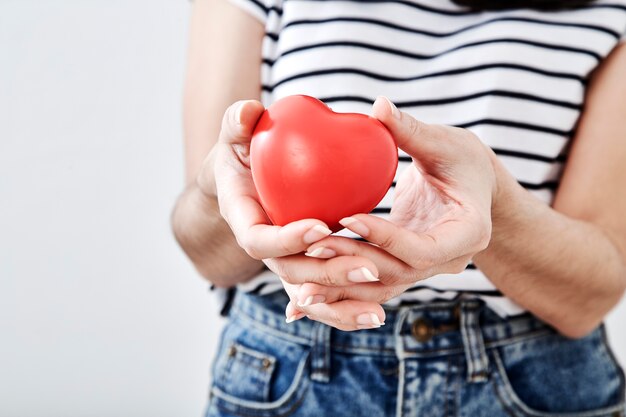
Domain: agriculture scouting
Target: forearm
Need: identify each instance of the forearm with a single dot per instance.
(208, 240)
(566, 271)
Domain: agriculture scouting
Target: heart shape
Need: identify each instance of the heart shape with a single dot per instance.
(310, 162)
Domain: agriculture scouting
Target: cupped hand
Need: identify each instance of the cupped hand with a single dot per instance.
(237, 196)
(440, 217)
(226, 173)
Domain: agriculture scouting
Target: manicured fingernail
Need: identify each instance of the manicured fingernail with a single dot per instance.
(239, 111)
(369, 319)
(321, 252)
(362, 274)
(367, 326)
(394, 110)
(317, 232)
(294, 317)
(356, 226)
(312, 299)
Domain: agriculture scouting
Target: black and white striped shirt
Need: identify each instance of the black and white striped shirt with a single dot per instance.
(516, 78)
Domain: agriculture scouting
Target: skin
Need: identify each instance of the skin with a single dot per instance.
(209, 90)
(454, 204)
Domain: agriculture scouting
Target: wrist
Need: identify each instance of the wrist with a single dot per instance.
(507, 194)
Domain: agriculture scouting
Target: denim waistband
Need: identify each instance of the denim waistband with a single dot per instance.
(416, 330)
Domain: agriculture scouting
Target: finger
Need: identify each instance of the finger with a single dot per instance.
(391, 270)
(312, 293)
(347, 315)
(239, 122)
(422, 251)
(239, 206)
(338, 271)
(261, 240)
(292, 313)
(418, 139)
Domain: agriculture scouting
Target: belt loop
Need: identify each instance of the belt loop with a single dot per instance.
(320, 352)
(473, 343)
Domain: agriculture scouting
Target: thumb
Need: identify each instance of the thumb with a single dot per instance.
(416, 138)
(239, 121)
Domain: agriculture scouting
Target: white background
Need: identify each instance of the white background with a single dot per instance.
(100, 313)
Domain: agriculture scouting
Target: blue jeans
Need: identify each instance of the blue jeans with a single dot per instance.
(450, 358)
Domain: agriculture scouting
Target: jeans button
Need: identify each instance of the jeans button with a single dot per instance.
(422, 330)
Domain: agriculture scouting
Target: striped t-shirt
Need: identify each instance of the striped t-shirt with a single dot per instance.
(516, 78)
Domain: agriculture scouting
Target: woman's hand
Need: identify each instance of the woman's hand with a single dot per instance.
(237, 196)
(441, 215)
(226, 173)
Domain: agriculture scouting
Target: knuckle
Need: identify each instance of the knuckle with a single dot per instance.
(387, 242)
(327, 279)
(337, 318)
(284, 243)
(424, 263)
(399, 275)
(386, 294)
(394, 279)
(340, 294)
(414, 127)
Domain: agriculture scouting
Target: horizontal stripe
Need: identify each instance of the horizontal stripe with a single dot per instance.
(517, 125)
(495, 93)
(411, 4)
(266, 9)
(451, 72)
(449, 12)
(453, 13)
(550, 185)
(496, 122)
(258, 288)
(436, 102)
(492, 293)
(511, 153)
(407, 54)
(390, 25)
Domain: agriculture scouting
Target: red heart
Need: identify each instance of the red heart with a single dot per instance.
(310, 162)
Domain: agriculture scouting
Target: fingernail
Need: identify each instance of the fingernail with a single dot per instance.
(312, 299)
(355, 225)
(367, 326)
(317, 232)
(321, 252)
(369, 319)
(361, 275)
(239, 111)
(294, 317)
(394, 110)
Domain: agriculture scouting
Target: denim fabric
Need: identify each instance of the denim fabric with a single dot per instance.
(438, 359)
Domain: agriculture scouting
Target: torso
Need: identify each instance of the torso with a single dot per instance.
(517, 79)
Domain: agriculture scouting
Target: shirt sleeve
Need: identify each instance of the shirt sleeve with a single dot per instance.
(260, 9)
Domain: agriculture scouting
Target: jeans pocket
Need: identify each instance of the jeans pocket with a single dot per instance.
(258, 374)
(555, 376)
